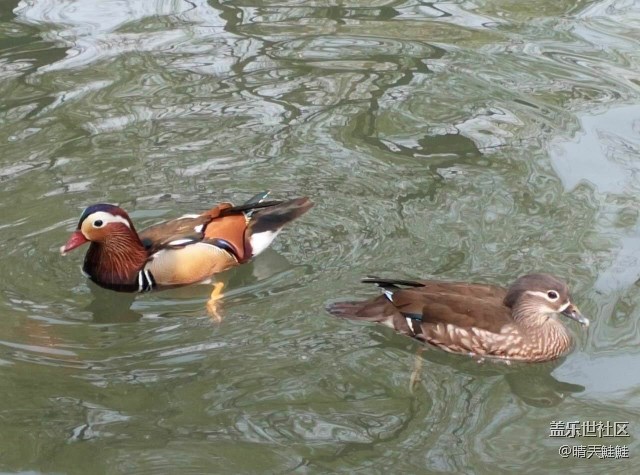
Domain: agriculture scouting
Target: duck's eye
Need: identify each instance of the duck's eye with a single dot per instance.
(553, 295)
(98, 223)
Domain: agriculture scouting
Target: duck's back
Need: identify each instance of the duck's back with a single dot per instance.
(455, 303)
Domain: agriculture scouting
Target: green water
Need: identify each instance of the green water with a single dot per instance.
(474, 140)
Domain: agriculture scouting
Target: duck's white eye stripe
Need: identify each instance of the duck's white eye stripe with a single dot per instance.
(550, 295)
(544, 295)
(106, 218)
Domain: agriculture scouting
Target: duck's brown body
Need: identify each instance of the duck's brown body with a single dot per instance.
(179, 252)
(519, 323)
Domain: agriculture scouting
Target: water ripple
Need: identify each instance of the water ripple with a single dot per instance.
(473, 140)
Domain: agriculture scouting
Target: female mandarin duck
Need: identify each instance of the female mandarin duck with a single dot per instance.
(182, 251)
(518, 323)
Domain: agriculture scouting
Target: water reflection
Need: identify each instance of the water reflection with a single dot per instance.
(441, 139)
(541, 389)
(98, 31)
(109, 307)
(601, 156)
(534, 384)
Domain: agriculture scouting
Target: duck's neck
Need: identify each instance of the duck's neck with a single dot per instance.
(115, 262)
(544, 331)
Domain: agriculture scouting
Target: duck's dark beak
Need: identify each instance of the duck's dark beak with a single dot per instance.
(574, 314)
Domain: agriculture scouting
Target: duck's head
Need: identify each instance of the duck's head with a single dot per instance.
(536, 296)
(97, 224)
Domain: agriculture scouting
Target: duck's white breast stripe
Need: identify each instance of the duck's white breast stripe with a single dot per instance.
(145, 281)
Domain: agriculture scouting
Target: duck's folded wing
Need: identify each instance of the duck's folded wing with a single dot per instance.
(220, 222)
(457, 303)
(446, 307)
(175, 233)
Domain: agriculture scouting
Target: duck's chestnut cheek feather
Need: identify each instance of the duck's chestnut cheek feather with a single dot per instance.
(77, 239)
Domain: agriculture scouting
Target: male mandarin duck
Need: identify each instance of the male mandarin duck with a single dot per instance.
(518, 323)
(183, 251)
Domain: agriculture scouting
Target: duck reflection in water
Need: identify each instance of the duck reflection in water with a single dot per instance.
(533, 384)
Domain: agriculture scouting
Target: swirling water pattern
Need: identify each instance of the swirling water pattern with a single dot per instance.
(473, 140)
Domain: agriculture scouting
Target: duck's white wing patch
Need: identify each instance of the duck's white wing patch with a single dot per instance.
(181, 242)
(261, 241)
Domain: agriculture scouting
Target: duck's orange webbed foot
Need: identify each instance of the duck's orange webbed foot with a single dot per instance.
(212, 303)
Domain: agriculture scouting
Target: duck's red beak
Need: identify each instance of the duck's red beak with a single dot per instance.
(77, 239)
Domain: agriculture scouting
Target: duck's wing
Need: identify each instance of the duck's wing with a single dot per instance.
(429, 302)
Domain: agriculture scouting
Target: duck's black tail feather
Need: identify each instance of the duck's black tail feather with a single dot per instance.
(258, 202)
(276, 214)
(391, 283)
